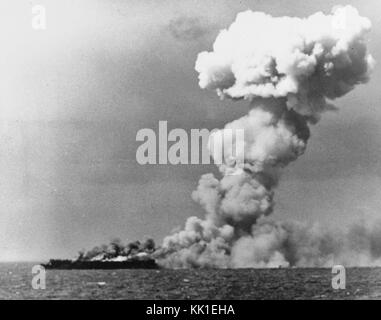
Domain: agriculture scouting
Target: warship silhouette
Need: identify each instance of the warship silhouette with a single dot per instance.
(105, 264)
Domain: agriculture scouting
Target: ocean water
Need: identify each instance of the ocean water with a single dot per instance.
(310, 283)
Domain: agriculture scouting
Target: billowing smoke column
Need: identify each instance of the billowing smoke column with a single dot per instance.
(289, 69)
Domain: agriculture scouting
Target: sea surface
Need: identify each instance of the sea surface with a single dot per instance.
(309, 283)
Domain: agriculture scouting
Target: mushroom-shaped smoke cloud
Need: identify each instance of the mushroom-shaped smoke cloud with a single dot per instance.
(290, 70)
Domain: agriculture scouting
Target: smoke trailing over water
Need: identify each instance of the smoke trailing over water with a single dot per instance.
(290, 70)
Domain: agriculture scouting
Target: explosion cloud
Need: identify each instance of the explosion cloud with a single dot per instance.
(290, 70)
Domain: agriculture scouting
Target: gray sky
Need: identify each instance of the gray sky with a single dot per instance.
(72, 98)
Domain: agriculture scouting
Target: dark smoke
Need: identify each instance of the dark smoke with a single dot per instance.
(117, 251)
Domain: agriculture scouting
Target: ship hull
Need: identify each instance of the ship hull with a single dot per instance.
(102, 265)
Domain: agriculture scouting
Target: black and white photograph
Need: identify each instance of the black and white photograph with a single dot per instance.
(175, 150)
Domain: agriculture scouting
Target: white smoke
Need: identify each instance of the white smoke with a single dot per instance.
(303, 60)
(290, 69)
(273, 244)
